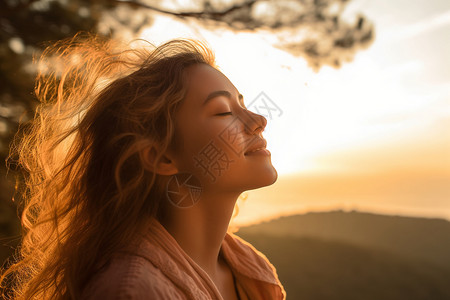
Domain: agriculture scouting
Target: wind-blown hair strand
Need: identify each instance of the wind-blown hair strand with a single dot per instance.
(87, 192)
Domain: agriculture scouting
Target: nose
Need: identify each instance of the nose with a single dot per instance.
(254, 123)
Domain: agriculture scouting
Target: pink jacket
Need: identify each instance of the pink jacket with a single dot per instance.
(158, 268)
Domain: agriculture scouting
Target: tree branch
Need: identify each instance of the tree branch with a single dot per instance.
(212, 15)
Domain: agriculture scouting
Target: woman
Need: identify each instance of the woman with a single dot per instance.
(136, 159)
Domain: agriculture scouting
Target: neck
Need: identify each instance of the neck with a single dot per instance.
(200, 229)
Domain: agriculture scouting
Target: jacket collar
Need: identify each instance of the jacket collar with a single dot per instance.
(245, 259)
(183, 271)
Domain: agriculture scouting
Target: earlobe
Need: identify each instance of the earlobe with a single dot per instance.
(165, 166)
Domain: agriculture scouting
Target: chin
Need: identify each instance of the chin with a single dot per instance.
(274, 176)
(244, 180)
(263, 179)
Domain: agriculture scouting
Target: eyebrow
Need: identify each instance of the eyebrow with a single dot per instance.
(216, 94)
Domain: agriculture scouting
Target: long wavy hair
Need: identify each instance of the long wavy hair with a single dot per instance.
(86, 191)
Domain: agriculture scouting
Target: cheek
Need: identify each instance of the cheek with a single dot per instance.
(221, 145)
(207, 147)
(233, 139)
(195, 137)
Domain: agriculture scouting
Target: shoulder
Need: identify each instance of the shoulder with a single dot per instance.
(130, 277)
(245, 256)
(244, 249)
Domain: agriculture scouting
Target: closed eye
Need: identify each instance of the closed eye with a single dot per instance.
(225, 113)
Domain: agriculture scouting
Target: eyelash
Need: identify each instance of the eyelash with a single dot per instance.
(225, 113)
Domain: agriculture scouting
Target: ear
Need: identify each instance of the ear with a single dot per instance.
(165, 165)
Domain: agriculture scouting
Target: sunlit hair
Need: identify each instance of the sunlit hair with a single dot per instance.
(87, 192)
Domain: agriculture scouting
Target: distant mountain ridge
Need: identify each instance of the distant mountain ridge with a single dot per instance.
(418, 238)
(315, 269)
(355, 255)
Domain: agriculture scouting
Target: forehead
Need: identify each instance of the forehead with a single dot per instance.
(203, 79)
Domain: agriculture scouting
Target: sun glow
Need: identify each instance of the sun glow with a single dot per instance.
(383, 117)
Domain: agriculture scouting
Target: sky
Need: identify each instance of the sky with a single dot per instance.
(373, 135)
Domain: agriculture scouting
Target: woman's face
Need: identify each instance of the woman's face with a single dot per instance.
(217, 132)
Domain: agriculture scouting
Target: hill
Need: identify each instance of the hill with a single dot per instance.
(339, 255)
(417, 238)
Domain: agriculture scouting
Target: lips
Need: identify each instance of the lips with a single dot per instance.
(260, 144)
